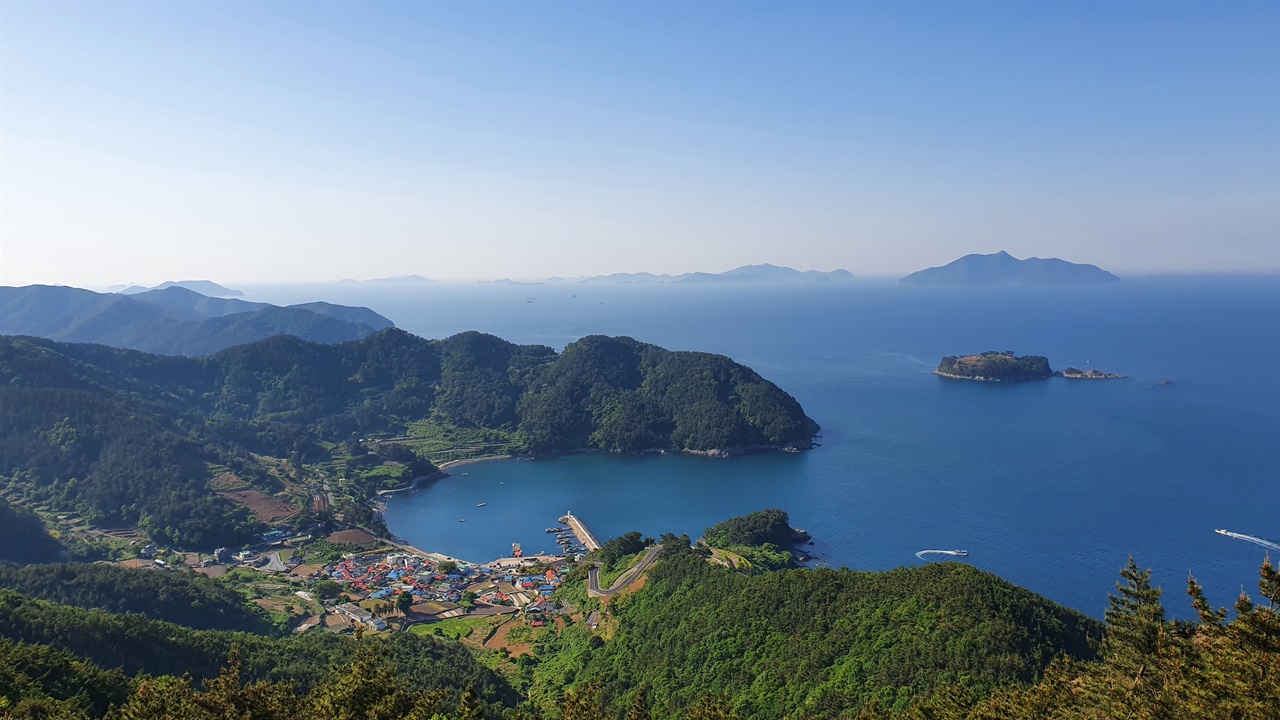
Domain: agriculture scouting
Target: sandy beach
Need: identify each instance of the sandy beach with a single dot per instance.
(470, 461)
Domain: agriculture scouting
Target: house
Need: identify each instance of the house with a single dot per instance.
(362, 616)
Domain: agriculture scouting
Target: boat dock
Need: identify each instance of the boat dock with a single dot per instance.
(581, 530)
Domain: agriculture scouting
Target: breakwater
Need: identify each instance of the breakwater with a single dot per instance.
(580, 529)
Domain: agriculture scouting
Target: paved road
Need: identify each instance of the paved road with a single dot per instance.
(626, 579)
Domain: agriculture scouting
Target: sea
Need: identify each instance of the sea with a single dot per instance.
(1052, 485)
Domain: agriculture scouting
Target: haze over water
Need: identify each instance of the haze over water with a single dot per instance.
(1051, 485)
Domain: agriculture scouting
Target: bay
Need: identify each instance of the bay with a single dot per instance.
(1052, 485)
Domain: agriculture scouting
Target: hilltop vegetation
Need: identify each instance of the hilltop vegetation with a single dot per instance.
(757, 528)
(126, 438)
(1150, 667)
(757, 540)
(809, 643)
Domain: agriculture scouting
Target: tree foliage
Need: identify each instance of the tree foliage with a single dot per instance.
(760, 527)
(185, 599)
(1150, 668)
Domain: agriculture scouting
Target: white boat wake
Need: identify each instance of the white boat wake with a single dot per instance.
(956, 553)
(1249, 538)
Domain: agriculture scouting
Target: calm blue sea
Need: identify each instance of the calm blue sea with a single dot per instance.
(1051, 485)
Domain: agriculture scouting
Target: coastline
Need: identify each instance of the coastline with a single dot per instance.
(981, 378)
(469, 461)
(440, 474)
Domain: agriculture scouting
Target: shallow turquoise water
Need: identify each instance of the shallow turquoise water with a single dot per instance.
(1052, 485)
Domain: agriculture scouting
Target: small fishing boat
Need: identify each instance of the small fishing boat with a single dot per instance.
(479, 504)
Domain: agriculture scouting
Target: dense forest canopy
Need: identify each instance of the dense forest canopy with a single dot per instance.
(812, 641)
(609, 393)
(185, 599)
(23, 538)
(139, 645)
(757, 528)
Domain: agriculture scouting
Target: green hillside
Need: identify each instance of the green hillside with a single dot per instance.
(812, 641)
(126, 438)
(24, 538)
(697, 642)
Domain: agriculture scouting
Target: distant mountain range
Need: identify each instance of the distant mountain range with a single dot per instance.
(204, 287)
(744, 274)
(397, 280)
(174, 320)
(1004, 269)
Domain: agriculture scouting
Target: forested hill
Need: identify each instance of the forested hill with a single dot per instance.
(184, 599)
(601, 392)
(124, 438)
(810, 643)
(23, 538)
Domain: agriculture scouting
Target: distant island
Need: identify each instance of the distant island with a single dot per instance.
(397, 280)
(174, 320)
(1004, 269)
(745, 274)
(204, 287)
(1006, 366)
(995, 366)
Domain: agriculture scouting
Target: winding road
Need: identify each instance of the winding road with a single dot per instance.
(625, 579)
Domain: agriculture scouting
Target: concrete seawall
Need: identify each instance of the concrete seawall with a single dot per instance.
(580, 529)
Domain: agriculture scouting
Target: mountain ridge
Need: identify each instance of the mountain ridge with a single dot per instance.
(174, 320)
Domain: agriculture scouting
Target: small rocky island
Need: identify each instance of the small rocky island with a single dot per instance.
(1006, 366)
(995, 366)
(1078, 374)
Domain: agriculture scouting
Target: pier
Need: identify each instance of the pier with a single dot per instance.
(580, 529)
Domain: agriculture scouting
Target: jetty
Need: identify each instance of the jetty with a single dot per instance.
(581, 530)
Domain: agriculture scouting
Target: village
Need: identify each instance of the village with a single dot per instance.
(368, 584)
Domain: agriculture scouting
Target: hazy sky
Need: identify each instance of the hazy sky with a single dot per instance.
(146, 141)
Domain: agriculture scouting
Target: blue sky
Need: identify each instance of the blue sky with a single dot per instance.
(296, 142)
